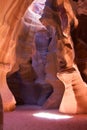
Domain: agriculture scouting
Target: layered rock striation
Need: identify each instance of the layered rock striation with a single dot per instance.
(40, 48)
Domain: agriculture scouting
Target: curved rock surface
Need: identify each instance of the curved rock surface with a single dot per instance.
(10, 14)
(35, 46)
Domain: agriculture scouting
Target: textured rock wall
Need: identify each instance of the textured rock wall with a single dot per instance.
(38, 67)
(79, 38)
(10, 14)
(36, 64)
(73, 79)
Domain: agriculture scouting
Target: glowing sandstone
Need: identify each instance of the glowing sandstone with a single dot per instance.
(53, 62)
(75, 96)
(57, 60)
(10, 14)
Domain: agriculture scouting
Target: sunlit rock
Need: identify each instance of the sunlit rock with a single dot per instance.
(37, 49)
(75, 95)
(10, 15)
(26, 52)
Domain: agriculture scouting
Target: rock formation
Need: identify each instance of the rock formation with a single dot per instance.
(10, 15)
(79, 38)
(75, 87)
(38, 56)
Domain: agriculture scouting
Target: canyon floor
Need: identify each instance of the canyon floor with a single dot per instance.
(35, 118)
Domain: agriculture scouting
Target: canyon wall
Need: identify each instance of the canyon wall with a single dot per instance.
(23, 72)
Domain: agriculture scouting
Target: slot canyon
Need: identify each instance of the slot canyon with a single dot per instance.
(43, 61)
